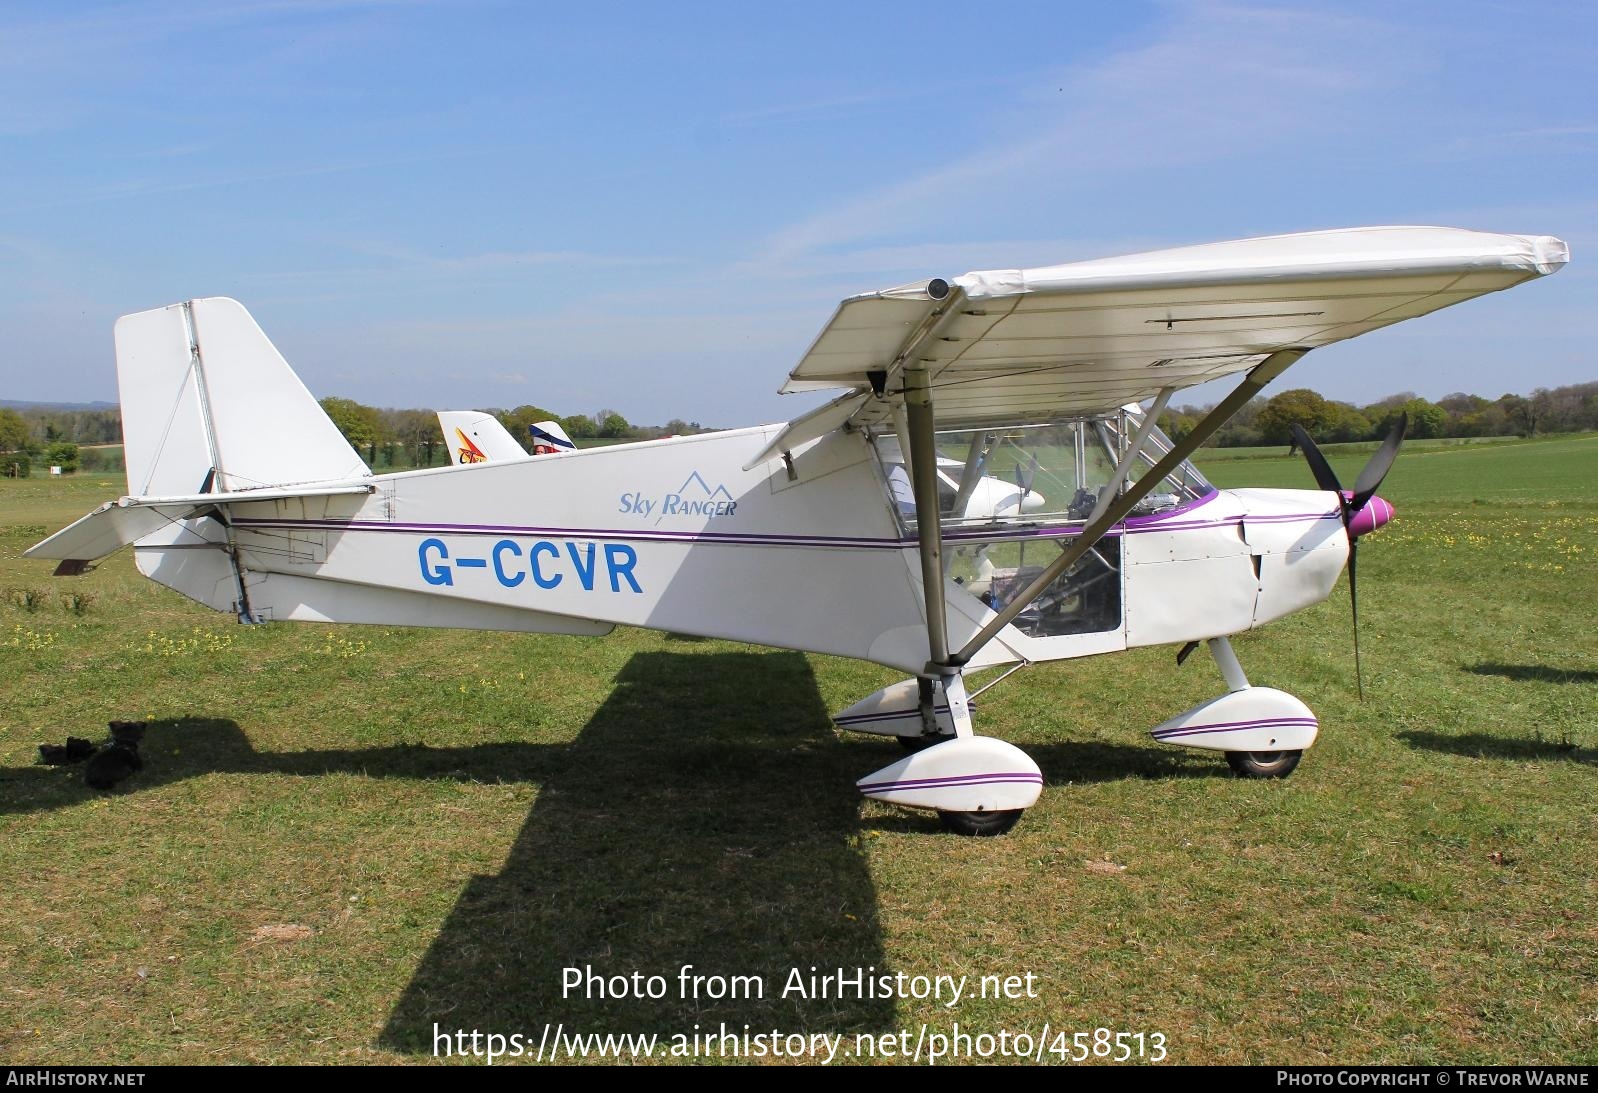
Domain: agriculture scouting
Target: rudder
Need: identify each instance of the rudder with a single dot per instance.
(210, 406)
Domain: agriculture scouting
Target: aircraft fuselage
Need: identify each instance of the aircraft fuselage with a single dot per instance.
(675, 535)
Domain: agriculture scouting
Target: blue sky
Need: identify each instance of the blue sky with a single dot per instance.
(654, 208)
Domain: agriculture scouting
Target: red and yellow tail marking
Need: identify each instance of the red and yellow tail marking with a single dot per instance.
(469, 452)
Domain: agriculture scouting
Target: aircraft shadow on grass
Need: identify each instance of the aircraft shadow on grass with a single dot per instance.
(728, 842)
(1533, 673)
(1481, 745)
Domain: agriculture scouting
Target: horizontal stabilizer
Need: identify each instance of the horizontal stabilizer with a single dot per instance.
(107, 529)
(115, 524)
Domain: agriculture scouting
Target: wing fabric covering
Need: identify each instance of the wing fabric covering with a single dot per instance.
(1088, 337)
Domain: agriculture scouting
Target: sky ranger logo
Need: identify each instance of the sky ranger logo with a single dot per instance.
(693, 498)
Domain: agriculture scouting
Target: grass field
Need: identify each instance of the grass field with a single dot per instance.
(344, 835)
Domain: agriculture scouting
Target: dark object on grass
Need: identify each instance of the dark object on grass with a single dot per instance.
(75, 750)
(117, 760)
(128, 733)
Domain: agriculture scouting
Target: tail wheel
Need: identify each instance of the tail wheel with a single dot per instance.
(1263, 764)
(981, 824)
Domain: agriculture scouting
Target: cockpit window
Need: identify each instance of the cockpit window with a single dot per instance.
(1036, 474)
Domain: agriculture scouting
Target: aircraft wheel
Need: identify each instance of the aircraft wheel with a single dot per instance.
(980, 823)
(1263, 764)
(921, 743)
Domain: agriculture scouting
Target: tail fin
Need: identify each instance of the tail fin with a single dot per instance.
(473, 436)
(549, 438)
(209, 406)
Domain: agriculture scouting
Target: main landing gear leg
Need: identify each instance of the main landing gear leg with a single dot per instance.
(1262, 731)
(977, 785)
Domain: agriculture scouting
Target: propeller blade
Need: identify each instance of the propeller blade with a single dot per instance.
(1370, 479)
(1325, 477)
(1365, 487)
(1353, 606)
(1025, 475)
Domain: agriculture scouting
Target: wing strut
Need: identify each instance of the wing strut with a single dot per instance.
(1260, 375)
(929, 530)
(1133, 451)
(971, 474)
(923, 455)
(929, 523)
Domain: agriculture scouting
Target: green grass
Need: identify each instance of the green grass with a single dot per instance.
(1208, 456)
(457, 817)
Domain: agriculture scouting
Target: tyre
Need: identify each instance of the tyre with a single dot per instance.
(1263, 764)
(981, 824)
(921, 743)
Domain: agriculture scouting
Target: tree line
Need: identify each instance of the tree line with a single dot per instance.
(1266, 421)
(396, 438)
(51, 437)
(65, 437)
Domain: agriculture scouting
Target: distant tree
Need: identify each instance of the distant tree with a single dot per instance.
(106, 460)
(580, 427)
(1459, 403)
(1242, 431)
(1571, 408)
(516, 422)
(1379, 409)
(1301, 407)
(15, 436)
(100, 427)
(1490, 420)
(63, 454)
(1343, 422)
(1565, 409)
(418, 432)
(361, 425)
(1235, 436)
(1521, 413)
(1466, 414)
(612, 425)
(1426, 419)
(1176, 424)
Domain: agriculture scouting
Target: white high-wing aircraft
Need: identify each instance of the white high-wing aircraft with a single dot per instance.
(795, 535)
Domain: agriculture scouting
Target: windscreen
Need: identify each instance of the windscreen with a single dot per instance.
(1034, 474)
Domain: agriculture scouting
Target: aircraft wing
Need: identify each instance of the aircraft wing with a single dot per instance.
(1013, 346)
